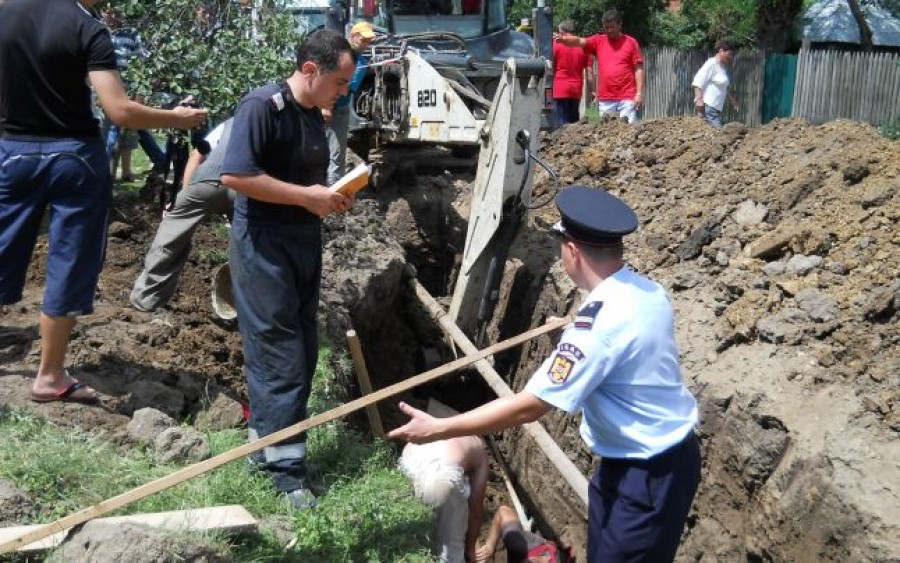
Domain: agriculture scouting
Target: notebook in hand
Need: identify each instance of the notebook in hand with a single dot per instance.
(353, 181)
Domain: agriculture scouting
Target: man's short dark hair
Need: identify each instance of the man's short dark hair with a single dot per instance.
(724, 45)
(612, 15)
(603, 253)
(567, 26)
(324, 47)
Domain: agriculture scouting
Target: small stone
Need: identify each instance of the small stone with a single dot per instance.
(119, 230)
(801, 264)
(223, 413)
(750, 213)
(147, 424)
(836, 268)
(181, 444)
(721, 259)
(819, 305)
(784, 326)
(774, 268)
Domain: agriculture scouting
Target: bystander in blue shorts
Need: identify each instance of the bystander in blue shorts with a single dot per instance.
(70, 178)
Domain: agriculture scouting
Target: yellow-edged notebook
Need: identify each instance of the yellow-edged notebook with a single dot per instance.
(353, 181)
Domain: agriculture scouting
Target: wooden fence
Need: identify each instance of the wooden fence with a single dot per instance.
(667, 83)
(829, 85)
(852, 85)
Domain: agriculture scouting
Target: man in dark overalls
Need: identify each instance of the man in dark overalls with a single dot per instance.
(277, 160)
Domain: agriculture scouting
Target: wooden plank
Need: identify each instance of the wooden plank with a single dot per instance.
(365, 385)
(233, 519)
(202, 467)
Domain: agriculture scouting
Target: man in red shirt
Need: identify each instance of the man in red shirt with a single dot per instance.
(568, 76)
(621, 67)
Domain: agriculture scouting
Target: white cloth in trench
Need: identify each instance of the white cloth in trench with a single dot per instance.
(443, 485)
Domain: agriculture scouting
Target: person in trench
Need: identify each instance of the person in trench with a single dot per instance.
(451, 477)
(616, 364)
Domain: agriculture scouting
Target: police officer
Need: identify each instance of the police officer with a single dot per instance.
(617, 364)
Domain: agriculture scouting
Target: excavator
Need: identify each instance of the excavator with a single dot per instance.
(454, 73)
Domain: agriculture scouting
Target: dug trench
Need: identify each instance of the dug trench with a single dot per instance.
(779, 247)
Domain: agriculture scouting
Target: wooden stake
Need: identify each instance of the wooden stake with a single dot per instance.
(362, 375)
(202, 467)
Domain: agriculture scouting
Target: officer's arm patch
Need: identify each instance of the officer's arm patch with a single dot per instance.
(587, 314)
(567, 355)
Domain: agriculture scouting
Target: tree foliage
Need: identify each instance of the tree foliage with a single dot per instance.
(674, 29)
(588, 14)
(699, 23)
(724, 19)
(210, 48)
(776, 23)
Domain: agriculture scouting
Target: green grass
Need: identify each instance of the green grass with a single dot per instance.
(220, 231)
(140, 165)
(366, 513)
(213, 255)
(891, 130)
(592, 112)
(220, 227)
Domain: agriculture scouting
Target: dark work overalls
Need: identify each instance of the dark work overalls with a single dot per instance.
(276, 264)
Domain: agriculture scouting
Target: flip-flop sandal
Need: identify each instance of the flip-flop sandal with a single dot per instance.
(67, 395)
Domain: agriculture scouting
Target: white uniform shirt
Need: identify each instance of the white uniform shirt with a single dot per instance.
(618, 364)
(712, 79)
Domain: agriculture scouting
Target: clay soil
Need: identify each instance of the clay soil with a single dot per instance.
(779, 246)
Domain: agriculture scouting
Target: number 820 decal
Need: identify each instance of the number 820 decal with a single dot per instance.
(426, 98)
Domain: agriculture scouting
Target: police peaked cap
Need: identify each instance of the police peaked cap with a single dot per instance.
(593, 217)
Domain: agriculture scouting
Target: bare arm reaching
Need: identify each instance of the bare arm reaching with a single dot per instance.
(129, 113)
(497, 415)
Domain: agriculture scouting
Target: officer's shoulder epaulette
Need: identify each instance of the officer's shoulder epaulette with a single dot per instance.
(587, 314)
(277, 100)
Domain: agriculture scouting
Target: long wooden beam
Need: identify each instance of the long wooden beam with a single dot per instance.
(202, 467)
(545, 442)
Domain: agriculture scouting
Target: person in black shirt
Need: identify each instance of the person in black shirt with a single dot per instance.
(277, 159)
(52, 155)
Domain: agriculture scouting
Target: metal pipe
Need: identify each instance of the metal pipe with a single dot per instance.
(570, 473)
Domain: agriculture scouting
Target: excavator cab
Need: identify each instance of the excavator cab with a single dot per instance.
(433, 72)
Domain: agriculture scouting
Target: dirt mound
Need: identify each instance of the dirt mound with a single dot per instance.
(795, 226)
(781, 249)
(182, 357)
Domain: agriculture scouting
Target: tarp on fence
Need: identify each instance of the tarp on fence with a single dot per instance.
(831, 21)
